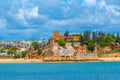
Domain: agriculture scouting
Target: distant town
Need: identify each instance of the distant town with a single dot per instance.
(67, 47)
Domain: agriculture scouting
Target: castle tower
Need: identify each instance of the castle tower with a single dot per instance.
(56, 34)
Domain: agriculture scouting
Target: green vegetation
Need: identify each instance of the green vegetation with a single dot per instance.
(102, 43)
(91, 46)
(23, 54)
(118, 38)
(81, 40)
(86, 37)
(73, 41)
(66, 34)
(16, 56)
(61, 42)
(2, 50)
(12, 51)
(98, 38)
(75, 35)
(35, 45)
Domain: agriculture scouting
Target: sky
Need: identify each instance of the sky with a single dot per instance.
(34, 19)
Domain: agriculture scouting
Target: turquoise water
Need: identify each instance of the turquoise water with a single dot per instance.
(69, 71)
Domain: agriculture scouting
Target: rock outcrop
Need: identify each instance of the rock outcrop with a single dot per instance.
(56, 50)
(63, 51)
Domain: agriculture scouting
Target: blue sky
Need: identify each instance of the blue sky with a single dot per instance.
(33, 19)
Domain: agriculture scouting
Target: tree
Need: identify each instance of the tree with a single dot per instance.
(94, 36)
(86, 37)
(23, 54)
(61, 42)
(101, 34)
(98, 36)
(2, 50)
(35, 45)
(16, 55)
(103, 43)
(10, 52)
(14, 49)
(91, 46)
(108, 38)
(118, 38)
(81, 40)
(66, 34)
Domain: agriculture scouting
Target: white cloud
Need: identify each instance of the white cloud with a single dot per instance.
(28, 16)
(90, 2)
(114, 9)
(102, 4)
(32, 13)
(29, 13)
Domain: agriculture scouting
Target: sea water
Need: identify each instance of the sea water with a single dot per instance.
(61, 71)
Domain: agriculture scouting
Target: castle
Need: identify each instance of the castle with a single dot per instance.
(72, 48)
(76, 45)
(56, 36)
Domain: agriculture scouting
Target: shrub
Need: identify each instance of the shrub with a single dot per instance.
(91, 46)
(102, 44)
(16, 56)
(23, 54)
(61, 42)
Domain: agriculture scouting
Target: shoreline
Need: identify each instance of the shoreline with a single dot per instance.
(22, 60)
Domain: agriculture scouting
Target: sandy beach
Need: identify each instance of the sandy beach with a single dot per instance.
(110, 59)
(20, 60)
(40, 60)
